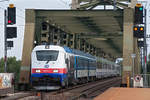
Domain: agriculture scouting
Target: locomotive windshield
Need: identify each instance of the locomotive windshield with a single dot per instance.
(47, 55)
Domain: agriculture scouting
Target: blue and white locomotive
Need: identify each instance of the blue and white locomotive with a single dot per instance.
(54, 66)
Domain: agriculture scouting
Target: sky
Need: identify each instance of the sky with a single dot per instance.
(21, 5)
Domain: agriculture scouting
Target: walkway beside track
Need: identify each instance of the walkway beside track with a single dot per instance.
(125, 94)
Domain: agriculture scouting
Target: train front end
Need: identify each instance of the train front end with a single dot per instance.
(48, 68)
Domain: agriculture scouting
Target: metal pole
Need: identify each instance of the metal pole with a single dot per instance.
(5, 41)
(133, 72)
(145, 52)
(133, 68)
(115, 8)
(133, 57)
(141, 57)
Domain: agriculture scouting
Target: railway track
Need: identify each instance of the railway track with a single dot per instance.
(78, 86)
(85, 91)
(20, 96)
(79, 92)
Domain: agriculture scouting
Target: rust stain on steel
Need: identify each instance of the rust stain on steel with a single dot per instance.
(125, 94)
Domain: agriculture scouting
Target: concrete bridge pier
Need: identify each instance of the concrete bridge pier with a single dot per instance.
(129, 47)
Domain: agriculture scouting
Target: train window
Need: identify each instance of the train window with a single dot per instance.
(86, 62)
(113, 67)
(100, 65)
(92, 63)
(108, 66)
(47, 55)
(79, 62)
(104, 66)
(82, 62)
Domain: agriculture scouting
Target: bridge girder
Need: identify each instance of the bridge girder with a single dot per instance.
(90, 4)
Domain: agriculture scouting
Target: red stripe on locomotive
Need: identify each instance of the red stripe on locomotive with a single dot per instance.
(50, 70)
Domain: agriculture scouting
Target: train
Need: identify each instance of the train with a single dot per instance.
(54, 67)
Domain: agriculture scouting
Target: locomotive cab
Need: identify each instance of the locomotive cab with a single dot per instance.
(49, 69)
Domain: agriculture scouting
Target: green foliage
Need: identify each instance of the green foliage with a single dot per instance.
(2, 65)
(13, 66)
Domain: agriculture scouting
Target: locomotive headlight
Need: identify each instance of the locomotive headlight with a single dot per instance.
(38, 71)
(55, 71)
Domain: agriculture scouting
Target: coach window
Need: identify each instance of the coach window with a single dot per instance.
(109, 67)
(94, 64)
(101, 65)
(104, 66)
(113, 67)
(82, 62)
(89, 63)
(79, 62)
(86, 63)
(98, 65)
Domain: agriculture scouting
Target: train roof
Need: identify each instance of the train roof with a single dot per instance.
(73, 51)
(78, 52)
(104, 60)
(64, 48)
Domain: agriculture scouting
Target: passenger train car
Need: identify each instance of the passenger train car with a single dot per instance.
(54, 66)
(106, 68)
